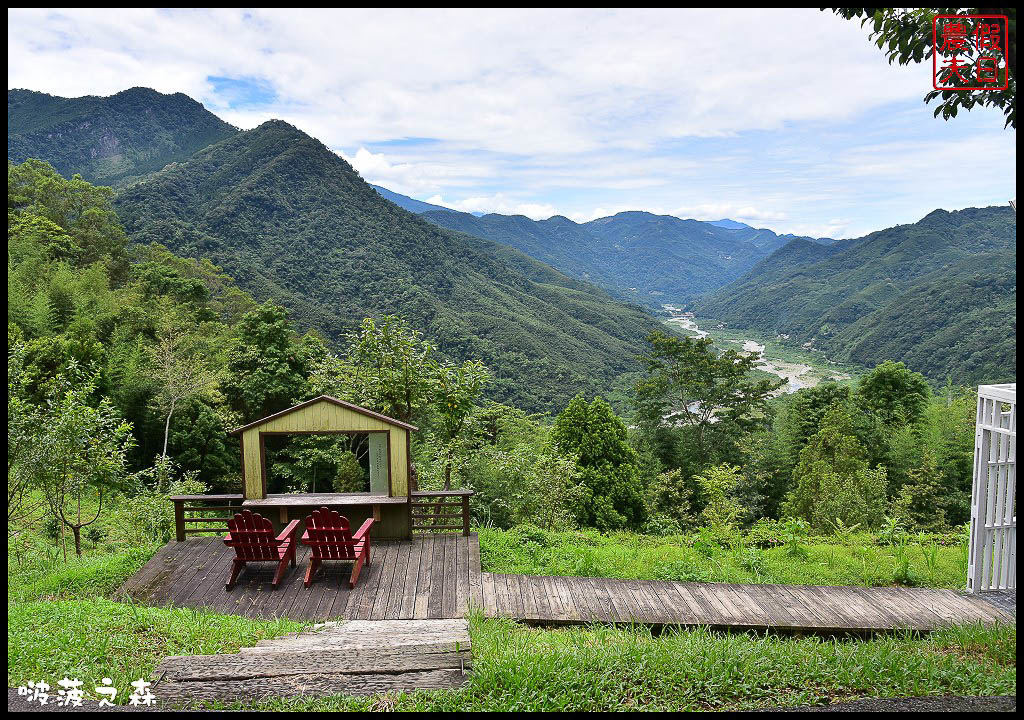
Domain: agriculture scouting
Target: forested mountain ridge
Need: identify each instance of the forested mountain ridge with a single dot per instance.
(109, 140)
(939, 294)
(292, 221)
(637, 256)
(408, 203)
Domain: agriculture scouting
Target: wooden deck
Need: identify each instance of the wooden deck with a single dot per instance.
(427, 578)
(438, 577)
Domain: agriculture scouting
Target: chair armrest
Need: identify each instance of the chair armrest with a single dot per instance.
(363, 530)
(293, 527)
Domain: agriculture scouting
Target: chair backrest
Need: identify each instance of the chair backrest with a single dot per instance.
(329, 535)
(252, 536)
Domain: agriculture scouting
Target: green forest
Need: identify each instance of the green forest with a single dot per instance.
(165, 354)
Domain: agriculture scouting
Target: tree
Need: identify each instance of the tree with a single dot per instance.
(267, 367)
(721, 510)
(81, 452)
(894, 394)
(388, 368)
(456, 388)
(24, 421)
(596, 440)
(710, 393)
(833, 479)
(905, 34)
(180, 373)
(920, 501)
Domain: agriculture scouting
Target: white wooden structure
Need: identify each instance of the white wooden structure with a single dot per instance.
(992, 559)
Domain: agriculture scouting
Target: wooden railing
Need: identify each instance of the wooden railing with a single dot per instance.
(438, 511)
(199, 509)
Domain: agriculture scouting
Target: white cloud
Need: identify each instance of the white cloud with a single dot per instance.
(779, 118)
(497, 203)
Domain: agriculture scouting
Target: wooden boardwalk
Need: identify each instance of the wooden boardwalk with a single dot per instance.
(791, 608)
(429, 578)
(437, 577)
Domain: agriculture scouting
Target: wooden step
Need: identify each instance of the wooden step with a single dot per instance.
(359, 657)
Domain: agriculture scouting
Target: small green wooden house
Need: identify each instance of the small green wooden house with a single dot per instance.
(389, 463)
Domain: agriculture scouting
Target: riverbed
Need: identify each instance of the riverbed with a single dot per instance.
(796, 375)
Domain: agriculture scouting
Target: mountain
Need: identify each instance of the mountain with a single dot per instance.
(408, 203)
(939, 294)
(109, 140)
(728, 224)
(292, 221)
(636, 256)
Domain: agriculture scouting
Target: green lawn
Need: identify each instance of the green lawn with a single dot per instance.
(64, 621)
(601, 668)
(821, 561)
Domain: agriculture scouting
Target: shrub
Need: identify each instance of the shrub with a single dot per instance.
(766, 533)
(350, 476)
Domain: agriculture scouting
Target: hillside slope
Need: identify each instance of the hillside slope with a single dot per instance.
(109, 139)
(292, 221)
(939, 294)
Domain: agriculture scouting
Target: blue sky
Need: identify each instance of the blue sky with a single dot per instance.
(791, 120)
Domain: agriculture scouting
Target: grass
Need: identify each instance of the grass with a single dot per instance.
(602, 668)
(820, 561)
(62, 621)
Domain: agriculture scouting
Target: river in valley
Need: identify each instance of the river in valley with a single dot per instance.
(796, 375)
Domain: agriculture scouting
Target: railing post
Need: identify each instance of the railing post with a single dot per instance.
(465, 515)
(179, 520)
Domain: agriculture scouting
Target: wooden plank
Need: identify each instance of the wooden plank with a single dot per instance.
(407, 607)
(396, 592)
(490, 606)
(313, 685)
(713, 612)
(423, 577)
(792, 607)
(462, 579)
(513, 596)
(476, 590)
(386, 580)
(434, 602)
(556, 604)
(192, 567)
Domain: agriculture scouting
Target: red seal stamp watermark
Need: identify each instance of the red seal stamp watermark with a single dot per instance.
(969, 52)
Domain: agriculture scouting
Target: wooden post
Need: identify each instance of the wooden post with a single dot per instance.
(179, 520)
(465, 515)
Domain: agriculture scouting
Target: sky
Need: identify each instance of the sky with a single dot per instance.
(787, 119)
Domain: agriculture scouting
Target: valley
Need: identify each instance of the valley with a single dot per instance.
(799, 368)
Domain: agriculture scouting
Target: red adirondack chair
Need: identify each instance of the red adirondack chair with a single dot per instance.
(252, 537)
(328, 536)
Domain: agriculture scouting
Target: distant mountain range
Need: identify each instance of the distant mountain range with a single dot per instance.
(939, 294)
(636, 256)
(292, 221)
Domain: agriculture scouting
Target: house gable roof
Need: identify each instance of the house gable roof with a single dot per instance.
(329, 399)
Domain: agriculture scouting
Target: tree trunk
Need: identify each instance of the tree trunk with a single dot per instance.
(167, 427)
